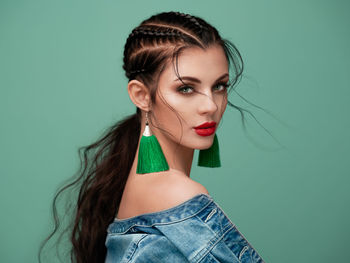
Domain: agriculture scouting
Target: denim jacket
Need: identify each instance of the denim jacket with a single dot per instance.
(196, 230)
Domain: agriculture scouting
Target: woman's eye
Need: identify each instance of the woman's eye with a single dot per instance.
(185, 89)
(221, 86)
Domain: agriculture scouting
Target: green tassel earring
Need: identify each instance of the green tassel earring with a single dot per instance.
(151, 158)
(210, 157)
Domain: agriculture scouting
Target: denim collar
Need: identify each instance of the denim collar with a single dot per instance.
(180, 212)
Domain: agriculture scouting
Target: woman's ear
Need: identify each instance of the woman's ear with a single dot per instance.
(139, 95)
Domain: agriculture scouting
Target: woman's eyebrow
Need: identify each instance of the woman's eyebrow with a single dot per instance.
(193, 79)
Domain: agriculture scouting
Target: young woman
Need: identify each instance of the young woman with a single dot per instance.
(137, 202)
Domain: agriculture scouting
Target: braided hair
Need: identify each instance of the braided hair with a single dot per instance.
(105, 164)
(161, 38)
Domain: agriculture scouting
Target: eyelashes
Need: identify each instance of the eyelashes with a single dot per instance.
(185, 89)
(188, 89)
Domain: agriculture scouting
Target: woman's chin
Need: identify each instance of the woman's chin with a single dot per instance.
(205, 146)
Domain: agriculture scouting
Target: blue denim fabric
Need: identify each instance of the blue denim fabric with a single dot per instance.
(196, 230)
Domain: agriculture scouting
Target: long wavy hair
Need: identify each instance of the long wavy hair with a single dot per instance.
(106, 163)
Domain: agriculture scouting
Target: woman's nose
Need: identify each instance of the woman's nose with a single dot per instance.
(207, 104)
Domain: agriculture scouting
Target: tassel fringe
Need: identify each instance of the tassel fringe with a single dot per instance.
(210, 157)
(150, 158)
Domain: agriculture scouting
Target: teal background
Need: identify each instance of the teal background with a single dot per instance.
(62, 84)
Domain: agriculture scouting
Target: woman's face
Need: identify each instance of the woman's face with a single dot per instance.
(180, 108)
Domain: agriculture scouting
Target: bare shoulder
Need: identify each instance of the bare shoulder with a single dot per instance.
(167, 189)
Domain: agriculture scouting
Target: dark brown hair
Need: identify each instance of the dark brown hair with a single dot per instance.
(105, 164)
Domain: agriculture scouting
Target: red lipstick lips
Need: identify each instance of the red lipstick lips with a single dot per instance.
(206, 129)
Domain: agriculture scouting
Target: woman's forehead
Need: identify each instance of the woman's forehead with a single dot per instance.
(200, 63)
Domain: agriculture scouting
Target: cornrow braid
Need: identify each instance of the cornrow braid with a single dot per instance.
(145, 31)
(151, 32)
(191, 19)
(161, 38)
(137, 71)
